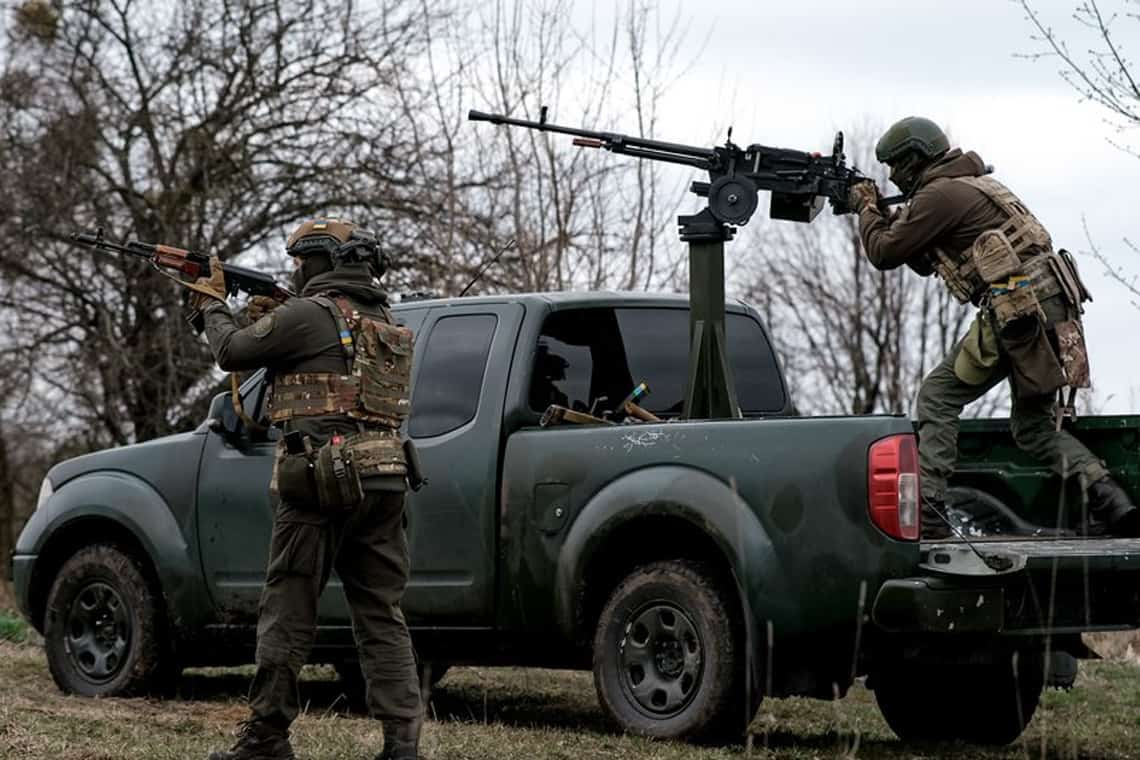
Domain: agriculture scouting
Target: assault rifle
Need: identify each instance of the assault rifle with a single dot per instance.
(189, 263)
(798, 180)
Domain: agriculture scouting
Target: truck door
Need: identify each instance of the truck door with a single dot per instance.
(464, 357)
(235, 516)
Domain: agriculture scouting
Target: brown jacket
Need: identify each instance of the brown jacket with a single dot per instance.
(941, 214)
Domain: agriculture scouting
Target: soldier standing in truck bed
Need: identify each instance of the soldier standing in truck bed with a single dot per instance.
(970, 230)
(340, 369)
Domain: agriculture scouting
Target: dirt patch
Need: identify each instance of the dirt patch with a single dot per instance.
(1122, 646)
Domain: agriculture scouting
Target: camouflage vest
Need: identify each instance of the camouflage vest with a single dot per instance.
(373, 390)
(969, 274)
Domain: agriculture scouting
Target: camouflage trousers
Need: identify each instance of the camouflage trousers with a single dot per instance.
(369, 551)
(944, 395)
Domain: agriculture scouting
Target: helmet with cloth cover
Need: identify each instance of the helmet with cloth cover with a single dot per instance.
(341, 240)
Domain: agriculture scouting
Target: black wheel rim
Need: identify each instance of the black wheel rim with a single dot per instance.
(662, 658)
(98, 632)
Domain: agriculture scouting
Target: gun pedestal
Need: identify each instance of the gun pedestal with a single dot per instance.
(711, 393)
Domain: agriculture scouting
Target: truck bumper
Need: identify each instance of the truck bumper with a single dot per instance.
(927, 605)
(20, 574)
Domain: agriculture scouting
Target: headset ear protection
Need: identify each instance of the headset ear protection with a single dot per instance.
(362, 246)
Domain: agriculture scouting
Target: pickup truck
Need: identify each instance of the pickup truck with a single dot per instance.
(694, 566)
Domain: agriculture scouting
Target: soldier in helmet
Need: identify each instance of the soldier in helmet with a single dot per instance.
(967, 228)
(339, 368)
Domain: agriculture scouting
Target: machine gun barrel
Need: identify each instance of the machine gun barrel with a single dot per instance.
(639, 147)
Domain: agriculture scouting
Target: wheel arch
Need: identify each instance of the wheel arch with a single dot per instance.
(121, 509)
(689, 513)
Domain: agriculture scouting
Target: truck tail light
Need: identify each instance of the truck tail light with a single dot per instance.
(892, 486)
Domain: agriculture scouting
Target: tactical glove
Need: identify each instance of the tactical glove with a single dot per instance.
(862, 195)
(259, 306)
(207, 289)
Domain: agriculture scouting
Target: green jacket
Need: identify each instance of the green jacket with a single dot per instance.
(947, 215)
(299, 336)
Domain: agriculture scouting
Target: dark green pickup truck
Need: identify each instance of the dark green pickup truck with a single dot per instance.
(695, 566)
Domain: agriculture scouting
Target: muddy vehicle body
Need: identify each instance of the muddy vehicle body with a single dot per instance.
(694, 566)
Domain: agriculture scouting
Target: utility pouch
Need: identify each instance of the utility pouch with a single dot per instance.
(296, 477)
(336, 477)
(1064, 268)
(1033, 363)
(1073, 353)
(994, 257)
(1014, 300)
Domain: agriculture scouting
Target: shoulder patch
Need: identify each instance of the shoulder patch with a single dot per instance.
(264, 326)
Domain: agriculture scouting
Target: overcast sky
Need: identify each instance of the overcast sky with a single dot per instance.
(788, 73)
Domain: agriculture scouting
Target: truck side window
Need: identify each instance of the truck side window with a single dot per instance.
(584, 354)
(657, 349)
(450, 376)
(759, 387)
(579, 358)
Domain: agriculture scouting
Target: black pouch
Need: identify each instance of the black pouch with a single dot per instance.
(336, 477)
(1033, 362)
(296, 481)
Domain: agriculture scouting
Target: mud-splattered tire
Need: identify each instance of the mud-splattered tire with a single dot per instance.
(103, 630)
(668, 655)
(980, 704)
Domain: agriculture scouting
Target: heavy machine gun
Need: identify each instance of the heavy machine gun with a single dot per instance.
(799, 183)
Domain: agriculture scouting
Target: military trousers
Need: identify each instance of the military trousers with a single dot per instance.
(368, 548)
(944, 395)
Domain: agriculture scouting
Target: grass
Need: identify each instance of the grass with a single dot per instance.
(512, 714)
(12, 627)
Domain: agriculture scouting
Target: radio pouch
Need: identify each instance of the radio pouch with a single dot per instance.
(337, 480)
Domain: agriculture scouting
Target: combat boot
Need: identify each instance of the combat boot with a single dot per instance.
(401, 740)
(258, 740)
(1111, 512)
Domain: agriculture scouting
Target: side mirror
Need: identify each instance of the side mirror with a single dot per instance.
(224, 421)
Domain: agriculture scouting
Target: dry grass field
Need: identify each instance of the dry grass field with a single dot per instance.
(512, 714)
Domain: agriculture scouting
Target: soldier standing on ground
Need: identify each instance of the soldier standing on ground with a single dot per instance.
(970, 230)
(340, 369)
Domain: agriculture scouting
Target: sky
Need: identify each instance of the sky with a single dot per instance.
(791, 73)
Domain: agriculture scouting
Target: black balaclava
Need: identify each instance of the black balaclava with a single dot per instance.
(311, 266)
(906, 172)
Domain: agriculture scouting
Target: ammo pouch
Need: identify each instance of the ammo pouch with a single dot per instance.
(1033, 363)
(325, 480)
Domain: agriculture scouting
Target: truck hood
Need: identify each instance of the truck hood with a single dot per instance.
(168, 464)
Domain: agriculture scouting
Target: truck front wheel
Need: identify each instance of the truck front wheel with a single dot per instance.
(103, 629)
(668, 660)
(979, 703)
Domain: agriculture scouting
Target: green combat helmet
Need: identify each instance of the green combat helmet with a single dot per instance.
(912, 133)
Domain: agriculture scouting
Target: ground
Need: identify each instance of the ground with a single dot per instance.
(512, 714)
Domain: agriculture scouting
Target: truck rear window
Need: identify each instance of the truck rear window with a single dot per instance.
(585, 354)
(447, 391)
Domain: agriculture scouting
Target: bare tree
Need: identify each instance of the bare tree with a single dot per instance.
(212, 124)
(1101, 73)
(577, 218)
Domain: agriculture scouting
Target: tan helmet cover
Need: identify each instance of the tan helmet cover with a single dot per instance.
(337, 229)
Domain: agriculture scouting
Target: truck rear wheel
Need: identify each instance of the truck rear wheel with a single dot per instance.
(982, 704)
(668, 660)
(103, 629)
